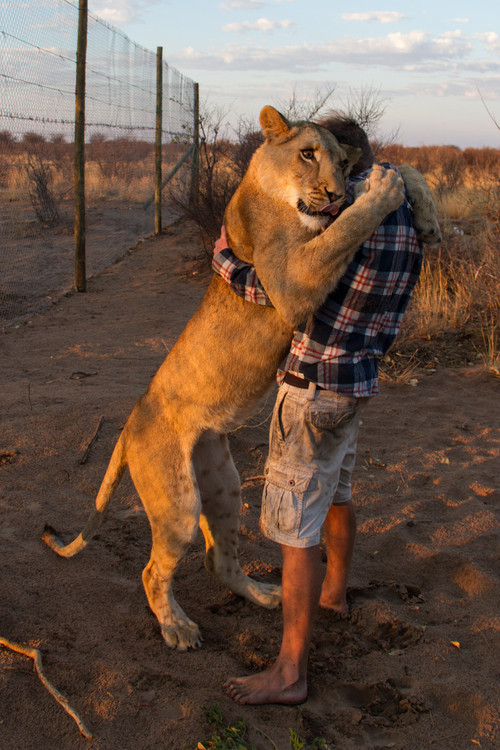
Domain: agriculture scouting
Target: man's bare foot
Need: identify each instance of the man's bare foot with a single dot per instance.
(270, 686)
(337, 604)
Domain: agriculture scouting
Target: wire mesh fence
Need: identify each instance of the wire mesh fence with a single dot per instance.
(37, 111)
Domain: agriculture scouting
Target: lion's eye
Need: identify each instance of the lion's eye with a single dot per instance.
(307, 154)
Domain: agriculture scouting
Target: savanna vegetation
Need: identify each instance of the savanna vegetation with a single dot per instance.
(454, 316)
(119, 168)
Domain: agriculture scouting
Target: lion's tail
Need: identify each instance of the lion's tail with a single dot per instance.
(109, 484)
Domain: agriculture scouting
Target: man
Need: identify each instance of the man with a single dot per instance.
(325, 381)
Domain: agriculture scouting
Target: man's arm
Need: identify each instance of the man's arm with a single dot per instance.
(240, 276)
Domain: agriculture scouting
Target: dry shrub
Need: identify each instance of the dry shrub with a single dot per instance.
(454, 204)
(218, 179)
(40, 189)
(222, 164)
(454, 314)
(120, 160)
(457, 297)
(36, 169)
(447, 168)
(132, 185)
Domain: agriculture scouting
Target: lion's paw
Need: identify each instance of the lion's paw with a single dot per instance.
(267, 595)
(387, 185)
(383, 187)
(182, 636)
(179, 631)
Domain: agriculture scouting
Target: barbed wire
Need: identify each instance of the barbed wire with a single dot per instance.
(35, 46)
(37, 103)
(91, 70)
(52, 121)
(126, 107)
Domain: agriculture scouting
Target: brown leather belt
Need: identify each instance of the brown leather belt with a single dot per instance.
(292, 379)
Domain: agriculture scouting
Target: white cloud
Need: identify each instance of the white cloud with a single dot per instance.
(381, 16)
(243, 4)
(248, 4)
(468, 88)
(461, 20)
(263, 24)
(395, 50)
(119, 12)
(491, 41)
(479, 67)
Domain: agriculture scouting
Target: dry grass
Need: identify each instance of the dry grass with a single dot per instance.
(454, 315)
(120, 169)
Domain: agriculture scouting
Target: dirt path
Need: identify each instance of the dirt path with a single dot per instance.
(413, 668)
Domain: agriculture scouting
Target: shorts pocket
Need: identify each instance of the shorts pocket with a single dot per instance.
(283, 498)
(330, 415)
(285, 416)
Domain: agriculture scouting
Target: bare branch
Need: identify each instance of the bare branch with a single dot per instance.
(306, 108)
(34, 653)
(367, 107)
(486, 108)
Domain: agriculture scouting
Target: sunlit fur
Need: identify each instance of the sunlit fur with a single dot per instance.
(425, 218)
(174, 442)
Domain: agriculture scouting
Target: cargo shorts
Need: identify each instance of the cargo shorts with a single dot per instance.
(312, 452)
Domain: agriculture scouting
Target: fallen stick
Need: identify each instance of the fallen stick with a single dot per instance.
(251, 480)
(85, 456)
(34, 653)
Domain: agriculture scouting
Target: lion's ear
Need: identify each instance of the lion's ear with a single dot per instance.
(353, 154)
(274, 126)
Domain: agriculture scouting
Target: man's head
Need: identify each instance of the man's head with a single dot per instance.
(347, 130)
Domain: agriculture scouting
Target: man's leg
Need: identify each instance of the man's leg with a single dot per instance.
(286, 681)
(340, 532)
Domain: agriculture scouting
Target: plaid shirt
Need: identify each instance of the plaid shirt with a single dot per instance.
(241, 277)
(338, 347)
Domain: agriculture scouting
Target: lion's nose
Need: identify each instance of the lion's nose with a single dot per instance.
(331, 196)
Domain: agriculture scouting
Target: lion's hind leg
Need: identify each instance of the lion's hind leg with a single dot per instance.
(167, 487)
(177, 629)
(219, 485)
(425, 217)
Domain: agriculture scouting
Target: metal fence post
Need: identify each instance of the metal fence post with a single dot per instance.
(79, 152)
(195, 161)
(158, 149)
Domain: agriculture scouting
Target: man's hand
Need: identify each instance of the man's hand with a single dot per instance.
(221, 243)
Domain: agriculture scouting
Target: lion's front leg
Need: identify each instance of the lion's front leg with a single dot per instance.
(309, 271)
(219, 485)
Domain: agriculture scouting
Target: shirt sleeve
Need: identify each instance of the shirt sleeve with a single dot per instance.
(241, 277)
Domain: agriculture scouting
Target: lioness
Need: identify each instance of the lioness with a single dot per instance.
(174, 442)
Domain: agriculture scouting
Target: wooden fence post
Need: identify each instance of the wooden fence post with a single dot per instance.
(195, 161)
(158, 149)
(79, 152)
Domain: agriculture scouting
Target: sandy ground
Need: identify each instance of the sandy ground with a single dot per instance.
(37, 260)
(413, 668)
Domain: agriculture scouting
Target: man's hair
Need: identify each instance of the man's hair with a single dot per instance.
(347, 130)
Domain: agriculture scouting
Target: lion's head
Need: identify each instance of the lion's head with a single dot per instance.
(304, 165)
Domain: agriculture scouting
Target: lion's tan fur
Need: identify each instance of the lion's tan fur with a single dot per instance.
(425, 218)
(174, 442)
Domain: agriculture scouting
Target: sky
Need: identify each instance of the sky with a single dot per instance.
(433, 64)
